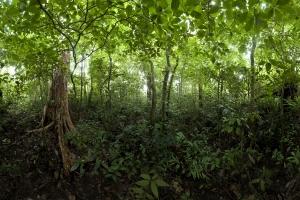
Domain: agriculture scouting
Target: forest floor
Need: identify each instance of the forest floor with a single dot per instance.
(31, 167)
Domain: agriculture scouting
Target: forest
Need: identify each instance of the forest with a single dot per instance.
(149, 99)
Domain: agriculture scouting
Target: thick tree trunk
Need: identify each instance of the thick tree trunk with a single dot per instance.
(57, 111)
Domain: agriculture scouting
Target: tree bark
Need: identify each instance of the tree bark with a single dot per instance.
(164, 92)
(200, 95)
(153, 99)
(252, 87)
(170, 86)
(57, 111)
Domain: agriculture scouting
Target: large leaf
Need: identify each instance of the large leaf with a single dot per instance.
(260, 23)
(252, 3)
(175, 4)
(196, 14)
(282, 2)
(249, 24)
(243, 17)
(159, 182)
(143, 182)
(22, 7)
(268, 66)
(192, 2)
(154, 189)
(278, 14)
(214, 9)
(129, 10)
(176, 20)
(146, 176)
(74, 167)
(138, 190)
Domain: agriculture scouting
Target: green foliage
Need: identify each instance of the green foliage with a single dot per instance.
(152, 182)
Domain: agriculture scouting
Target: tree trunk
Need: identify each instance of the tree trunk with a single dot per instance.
(252, 87)
(164, 92)
(200, 95)
(109, 80)
(89, 102)
(149, 86)
(57, 112)
(170, 86)
(153, 100)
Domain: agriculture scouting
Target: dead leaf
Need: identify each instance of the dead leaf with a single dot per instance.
(235, 190)
(72, 197)
(290, 184)
(251, 197)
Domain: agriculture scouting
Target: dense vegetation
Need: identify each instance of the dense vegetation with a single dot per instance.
(144, 99)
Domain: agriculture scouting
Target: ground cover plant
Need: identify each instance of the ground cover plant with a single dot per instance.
(143, 99)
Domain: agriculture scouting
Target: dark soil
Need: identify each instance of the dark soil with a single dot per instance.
(31, 169)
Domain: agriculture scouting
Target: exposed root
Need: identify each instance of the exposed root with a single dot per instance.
(44, 129)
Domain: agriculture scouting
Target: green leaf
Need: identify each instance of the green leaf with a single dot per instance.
(114, 178)
(154, 177)
(143, 182)
(255, 181)
(22, 7)
(146, 11)
(129, 10)
(269, 14)
(238, 131)
(213, 166)
(252, 3)
(159, 182)
(201, 34)
(154, 189)
(82, 170)
(192, 2)
(146, 176)
(97, 164)
(74, 167)
(196, 14)
(149, 196)
(163, 3)
(243, 17)
(159, 20)
(278, 14)
(268, 66)
(260, 23)
(214, 9)
(249, 24)
(240, 4)
(175, 4)
(274, 62)
(137, 190)
(251, 159)
(283, 2)
(105, 165)
(262, 185)
(281, 66)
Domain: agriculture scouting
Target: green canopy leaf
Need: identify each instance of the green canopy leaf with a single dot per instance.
(175, 4)
(268, 66)
(249, 24)
(192, 2)
(282, 2)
